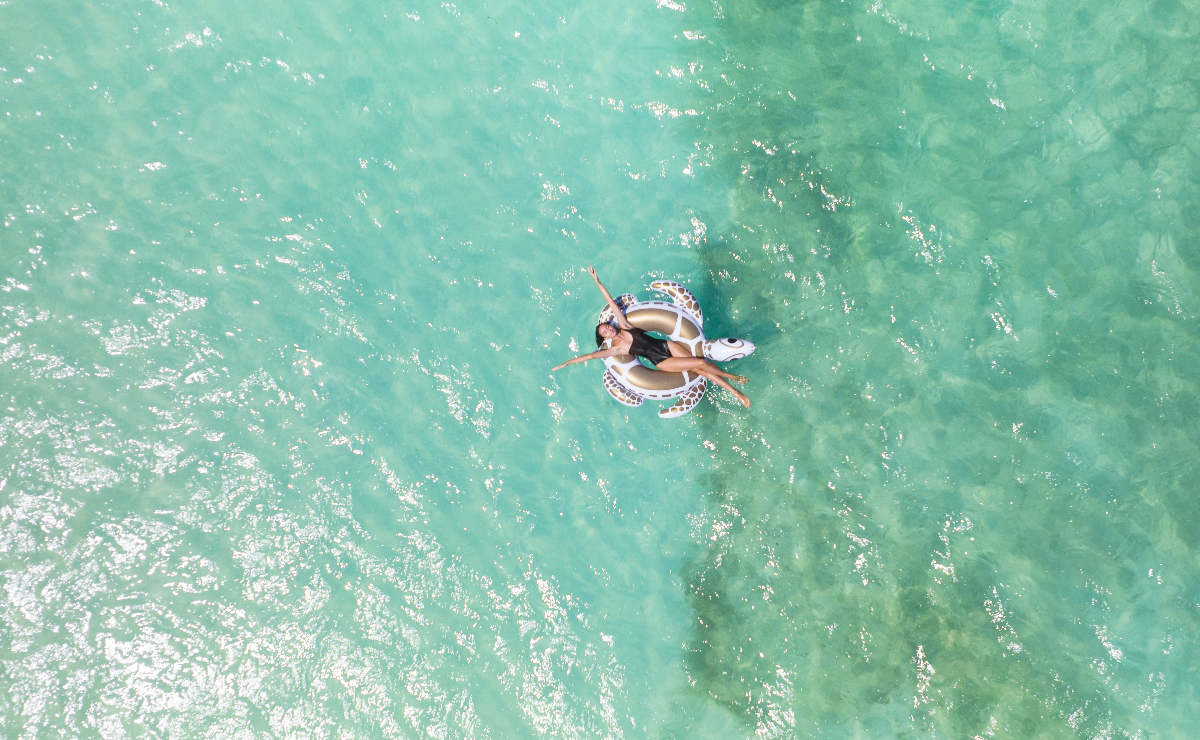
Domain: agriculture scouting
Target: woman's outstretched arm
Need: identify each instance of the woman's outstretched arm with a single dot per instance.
(597, 355)
(617, 313)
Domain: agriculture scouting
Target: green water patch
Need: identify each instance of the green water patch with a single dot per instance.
(958, 504)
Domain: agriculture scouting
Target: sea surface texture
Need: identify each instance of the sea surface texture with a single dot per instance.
(281, 454)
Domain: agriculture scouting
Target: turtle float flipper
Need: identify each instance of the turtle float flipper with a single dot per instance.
(623, 394)
(721, 350)
(686, 402)
(680, 296)
(626, 302)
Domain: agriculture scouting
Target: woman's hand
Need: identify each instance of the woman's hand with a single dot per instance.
(599, 355)
(592, 272)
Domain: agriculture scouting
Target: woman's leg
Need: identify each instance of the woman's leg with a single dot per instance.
(678, 350)
(701, 367)
(741, 397)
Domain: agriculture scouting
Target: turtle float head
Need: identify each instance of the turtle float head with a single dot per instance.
(726, 349)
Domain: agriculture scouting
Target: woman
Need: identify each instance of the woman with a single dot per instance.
(670, 357)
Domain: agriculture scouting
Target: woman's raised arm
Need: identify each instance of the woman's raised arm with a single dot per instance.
(617, 313)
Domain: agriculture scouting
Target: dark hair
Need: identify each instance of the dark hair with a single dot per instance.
(599, 339)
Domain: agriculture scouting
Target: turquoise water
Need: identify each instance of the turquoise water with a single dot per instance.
(281, 454)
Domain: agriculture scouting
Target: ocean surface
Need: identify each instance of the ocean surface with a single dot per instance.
(281, 454)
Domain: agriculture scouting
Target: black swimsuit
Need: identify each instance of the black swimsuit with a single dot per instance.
(644, 345)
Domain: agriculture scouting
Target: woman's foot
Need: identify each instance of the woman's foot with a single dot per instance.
(742, 399)
(739, 379)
